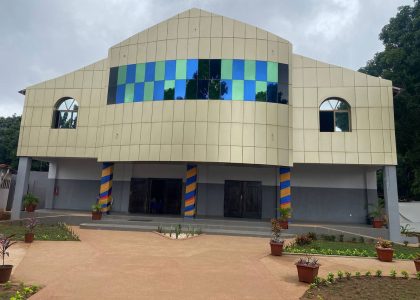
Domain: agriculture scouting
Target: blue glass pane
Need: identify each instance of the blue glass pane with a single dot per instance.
(282, 94)
(131, 74)
(170, 70)
(249, 93)
(150, 71)
(272, 92)
(113, 76)
(120, 94)
(158, 90)
(112, 92)
(238, 69)
(192, 69)
(226, 89)
(283, 73)
(180, 89)
(138, 91)
(261, 70)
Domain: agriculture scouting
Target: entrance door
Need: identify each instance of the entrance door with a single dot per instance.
(155, 196)
(242, 199)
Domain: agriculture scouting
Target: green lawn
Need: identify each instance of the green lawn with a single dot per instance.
(366, 249)
(54, 232)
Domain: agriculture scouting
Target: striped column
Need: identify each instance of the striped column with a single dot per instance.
(190, 191)
(285, 196)
(106, 186)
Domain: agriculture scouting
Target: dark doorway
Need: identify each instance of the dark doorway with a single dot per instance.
(243, 199)
(155, 196)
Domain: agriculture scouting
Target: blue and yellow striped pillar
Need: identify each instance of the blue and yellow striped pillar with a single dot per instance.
(284, 195)
(106, 186)
(190, 192)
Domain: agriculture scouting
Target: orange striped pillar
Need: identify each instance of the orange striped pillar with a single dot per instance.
(106, 186)
(190, 192)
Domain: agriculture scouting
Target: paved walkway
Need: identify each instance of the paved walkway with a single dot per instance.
(142, 265)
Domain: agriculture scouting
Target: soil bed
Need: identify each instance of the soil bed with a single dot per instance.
(43, 232)
(367, 288)
(7, 290)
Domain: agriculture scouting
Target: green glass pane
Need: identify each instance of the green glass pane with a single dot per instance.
(226, 69)
(122, 73)
(261, 91)
(129, 92)
(249, 70)
(272, 72)
(181, 69)
(148, 91)
(159, 70)
(169, 90)
(237, 90)
(140, 69)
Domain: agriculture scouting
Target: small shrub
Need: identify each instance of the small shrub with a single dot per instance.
(330, 277)
(404, 274)
(341, 237)
(381, 243)
(393, 274)
(312, 236)
(8, 285)
(276, 231)
(340, 275)
(361, 239)
(353, 240)
(303, 240)
(418, 275)
(357, 274)
(307, 261)
(378, 273)
(348, 275)
(368, 273)
(406, 243)
(159, 229)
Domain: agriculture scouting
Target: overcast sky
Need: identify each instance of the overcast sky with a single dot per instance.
(43, 39)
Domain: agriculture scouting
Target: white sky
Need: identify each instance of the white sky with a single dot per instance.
(44, 39)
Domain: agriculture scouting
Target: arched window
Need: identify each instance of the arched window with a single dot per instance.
(65, 113)
(334, 115)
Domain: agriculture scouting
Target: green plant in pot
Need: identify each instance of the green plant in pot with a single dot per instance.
(5, 270)
(30, 201)
(284, 216)
(96, 211)
(276, 242)
(30, 229)
(307, 268)
(377, 213)
(384, 250)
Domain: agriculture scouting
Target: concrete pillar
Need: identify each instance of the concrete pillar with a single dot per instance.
(49, 191)
(391, 202)
(21, 186)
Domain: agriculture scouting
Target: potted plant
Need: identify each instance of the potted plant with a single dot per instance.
(30, 229)
(417, 262)
(284, 216)
(5, 270)
(377, 214)
(384, 250)
(30, 201)
(96, 212)
(307, 268)
(276, 242)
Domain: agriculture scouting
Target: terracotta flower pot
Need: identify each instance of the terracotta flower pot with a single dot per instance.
(378, 223)
(5, 271)
(417, 264)
(276, 248)
(29, 237)
(30, 207)
(385, 254)
(307, 273)
(96, 215)
(284, 224)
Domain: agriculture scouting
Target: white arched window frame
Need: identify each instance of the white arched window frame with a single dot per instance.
(65, 113)
(334, 115)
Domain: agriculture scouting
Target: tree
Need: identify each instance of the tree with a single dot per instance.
(400, 62)
(9, 137)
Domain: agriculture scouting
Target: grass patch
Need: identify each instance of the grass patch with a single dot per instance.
(367, 288)
(10, 290)
(349, 249)
(43, 232)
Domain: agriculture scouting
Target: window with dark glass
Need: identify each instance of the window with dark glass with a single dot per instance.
(65, 113)
(334, 116)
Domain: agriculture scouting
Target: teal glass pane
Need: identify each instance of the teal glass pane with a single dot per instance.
(122, 73)
(169, 90)
(249, 70)
(129, 92)
(181, 69)
(148, 91)
(272, 72)
(261, 91)
(237, 90)
(160, 70)
(226, 69)
(140, 70)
